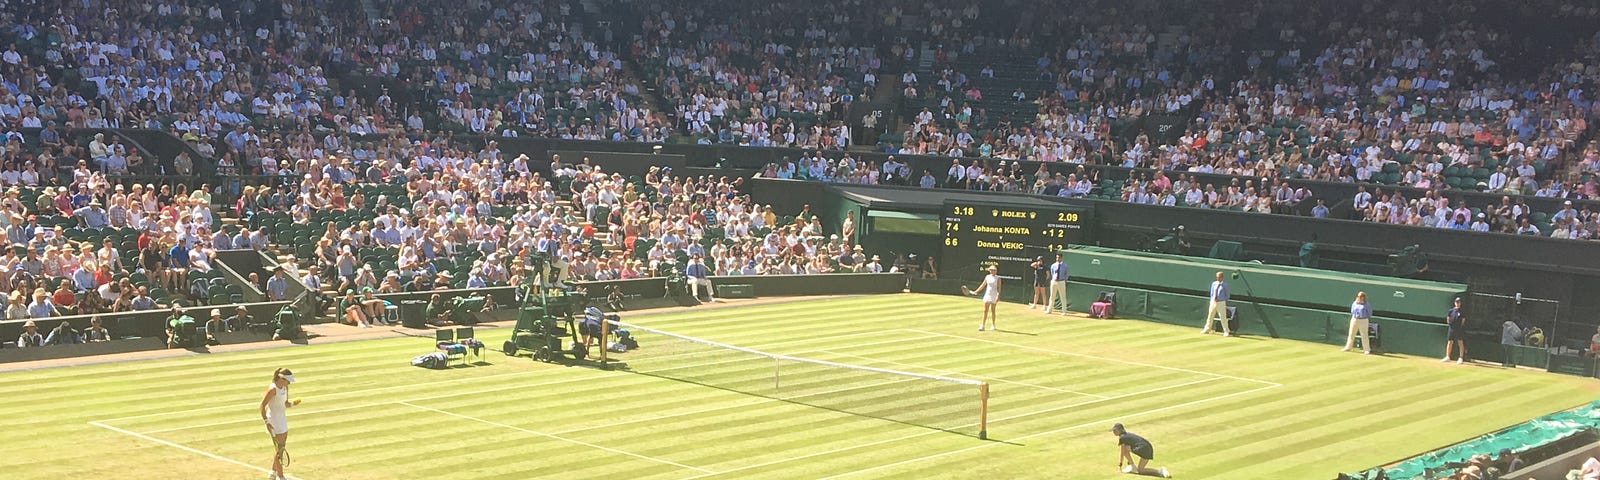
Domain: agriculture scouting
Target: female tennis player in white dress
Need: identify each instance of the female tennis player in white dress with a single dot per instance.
(990, 291)
(275, 412)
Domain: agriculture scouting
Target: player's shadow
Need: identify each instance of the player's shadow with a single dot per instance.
(1014, 332)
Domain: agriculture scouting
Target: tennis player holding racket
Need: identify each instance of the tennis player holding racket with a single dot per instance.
(275, 412)
(990, 291)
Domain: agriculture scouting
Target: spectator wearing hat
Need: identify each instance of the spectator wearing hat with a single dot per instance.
(63, 334)
(214, 324)
(41, 306)
(391, 284)
(874, 266)
(373, 306)
(92, 216)
(16, 306)
(30, 336)
(351, 308)
(365, 278)
(239, 320)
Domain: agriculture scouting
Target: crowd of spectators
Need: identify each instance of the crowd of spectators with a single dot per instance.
(1354, 94)
(761, 74)
(241, 75)
(1104, 64)
(92, 246)
(1339, 97)
(472, 218)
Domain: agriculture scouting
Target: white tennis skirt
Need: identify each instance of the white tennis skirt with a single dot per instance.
(278, 425)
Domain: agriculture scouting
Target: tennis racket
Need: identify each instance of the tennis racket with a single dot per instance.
(965, 291)
(282, 452)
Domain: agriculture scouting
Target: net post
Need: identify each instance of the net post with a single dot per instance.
(605, 335)
(983, 411)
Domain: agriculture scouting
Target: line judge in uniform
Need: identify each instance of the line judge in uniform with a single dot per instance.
(1218, 311)
(1041, 282)
(1456, 333)
(1360, 319)
(1058, 286)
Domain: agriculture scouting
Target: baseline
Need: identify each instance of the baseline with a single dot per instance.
(185, 448)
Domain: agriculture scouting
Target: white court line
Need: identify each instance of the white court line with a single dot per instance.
(463, 379)
(517, 386)
(976, 377)
(1104, 359)
(195, 451)
(1100, 422)
(373, 404)
(333, 394)
(936, 432)
(564, 439)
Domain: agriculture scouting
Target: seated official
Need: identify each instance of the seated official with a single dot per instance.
(214, 325)
(373, 306)
(96, 332)
(30, 336)
(240, 319)
(63, 334)
(438, 312)
(352, 310)
(614, 298)
(697, 275)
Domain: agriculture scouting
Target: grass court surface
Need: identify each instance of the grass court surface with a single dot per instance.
(1236, 408)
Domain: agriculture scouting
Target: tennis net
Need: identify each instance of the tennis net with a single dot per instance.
(955, 405)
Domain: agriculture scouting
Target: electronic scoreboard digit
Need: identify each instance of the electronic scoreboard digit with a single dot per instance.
(977, 235)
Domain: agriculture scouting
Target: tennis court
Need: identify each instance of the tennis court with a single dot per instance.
(1234, 408)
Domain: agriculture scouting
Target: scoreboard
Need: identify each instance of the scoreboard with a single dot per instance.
(977, 235)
